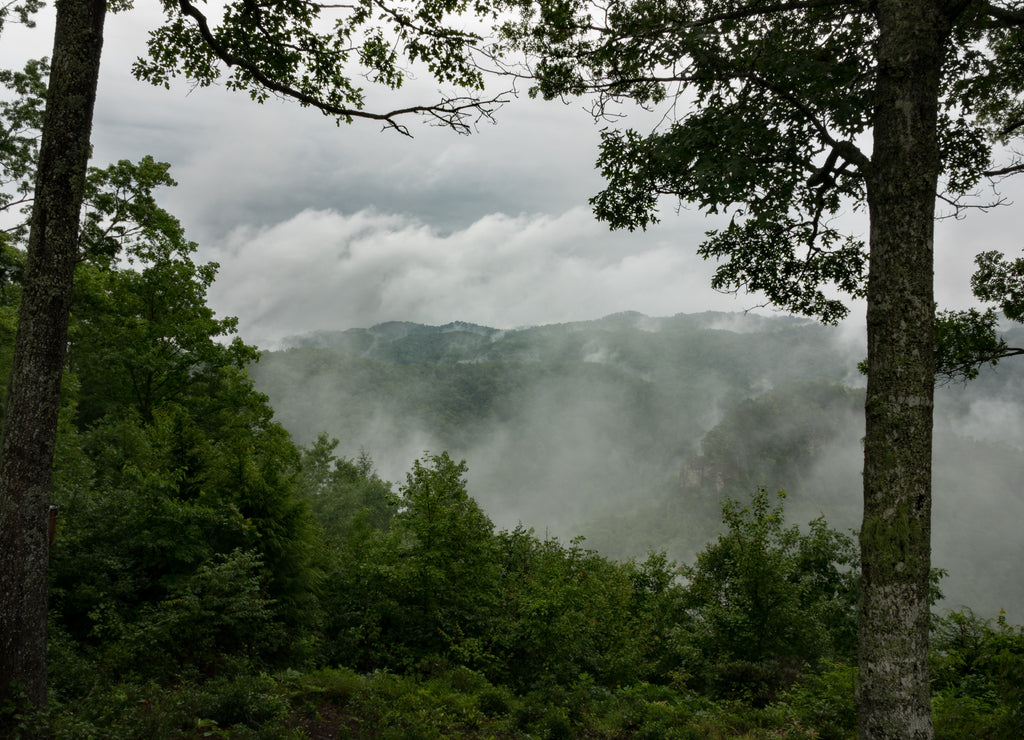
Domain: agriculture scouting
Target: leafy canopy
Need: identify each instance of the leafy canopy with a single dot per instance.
(316, 53)
(178, 493)
(765, 108)
(142, 333)
(969, 339)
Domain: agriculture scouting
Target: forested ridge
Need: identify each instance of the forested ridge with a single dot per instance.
(631, 527)
(223, 565)
(630, 429)
(212, 577)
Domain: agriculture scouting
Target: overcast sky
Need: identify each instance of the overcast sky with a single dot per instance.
(321, 227)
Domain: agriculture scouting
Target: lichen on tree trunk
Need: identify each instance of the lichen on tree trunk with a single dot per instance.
(896, 533)
(33, 401)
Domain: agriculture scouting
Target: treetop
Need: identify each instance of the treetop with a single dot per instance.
(767, 109)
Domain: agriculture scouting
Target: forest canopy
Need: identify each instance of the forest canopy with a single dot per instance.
(197, 514)
(186, 508)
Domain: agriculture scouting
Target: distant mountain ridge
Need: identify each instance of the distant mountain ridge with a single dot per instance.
(405, 342)
(630, 428)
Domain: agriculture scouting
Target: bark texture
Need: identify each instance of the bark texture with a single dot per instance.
(33, 401)
(896, 533)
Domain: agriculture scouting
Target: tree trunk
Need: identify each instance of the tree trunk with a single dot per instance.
(33, 401)
(895, 537)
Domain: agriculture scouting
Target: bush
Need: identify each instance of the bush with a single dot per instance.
(825, 701)
(242, 706)
(224, 611)
(764, 601)
(977, 677)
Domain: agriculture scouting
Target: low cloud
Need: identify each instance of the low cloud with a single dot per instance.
(327, 270)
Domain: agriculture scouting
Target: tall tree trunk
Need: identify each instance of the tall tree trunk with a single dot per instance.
(33, 401)
(896, 533)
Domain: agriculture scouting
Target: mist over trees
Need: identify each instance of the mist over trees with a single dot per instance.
(317, 598)
(631, 429)
(785, 116)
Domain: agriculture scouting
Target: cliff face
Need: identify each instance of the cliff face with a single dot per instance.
(772, 440)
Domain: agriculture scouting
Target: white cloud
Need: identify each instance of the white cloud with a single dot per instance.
(327, 270)
(319, 226)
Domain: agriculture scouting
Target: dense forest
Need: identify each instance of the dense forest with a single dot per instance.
(630, 430)
(185, 554)
(223, 565)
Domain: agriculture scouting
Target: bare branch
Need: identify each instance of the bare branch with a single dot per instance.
(14, 203)
(959, 206)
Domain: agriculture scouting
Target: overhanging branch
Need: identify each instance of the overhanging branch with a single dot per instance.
(451, 112)
(1006, 16)
(1012, 169)
(757, 10)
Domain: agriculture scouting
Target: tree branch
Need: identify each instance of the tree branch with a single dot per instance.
(959, 206)
(966, 370)
(449, 112)
(1008, 352)
(754, 10)
(846, 149)
(1009, 170)
(1007, 16)
(823, 174)
(1012, 127)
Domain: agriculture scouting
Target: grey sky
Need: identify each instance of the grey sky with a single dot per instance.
(320, 227)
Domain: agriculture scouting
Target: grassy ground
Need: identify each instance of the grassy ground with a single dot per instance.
(459, 703)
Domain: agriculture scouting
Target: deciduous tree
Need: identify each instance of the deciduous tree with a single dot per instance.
(784, 115)
(767, 600)
(142, 334)
(269, 48)
(968, 340)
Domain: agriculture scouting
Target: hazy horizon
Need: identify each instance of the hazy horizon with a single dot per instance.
(581, 449)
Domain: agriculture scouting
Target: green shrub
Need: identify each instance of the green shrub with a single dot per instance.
(19, 718)
(825, 701)
(495, 701)
(554, 724)
(222, 608)
(977, 670)
(242, 706)
(764, 600)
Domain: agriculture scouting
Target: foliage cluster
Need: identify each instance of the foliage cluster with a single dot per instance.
(185, 510)
(176, 493)
(977, 676)
(771, 601)
(208, 575)
(433, 585)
